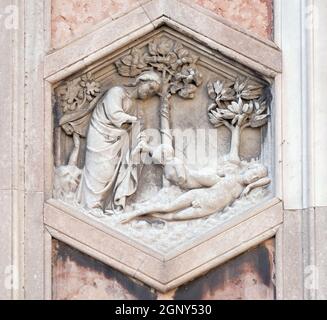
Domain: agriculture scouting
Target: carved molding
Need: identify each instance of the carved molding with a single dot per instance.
(239, 102)
(189, 190)
(261, 55)
(163, 272)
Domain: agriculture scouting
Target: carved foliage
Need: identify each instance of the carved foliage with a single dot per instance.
(78, 93)
(176, 64)
(77, 99)
(237, 103)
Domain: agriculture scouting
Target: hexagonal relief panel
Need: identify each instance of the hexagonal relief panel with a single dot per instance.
(164, 140)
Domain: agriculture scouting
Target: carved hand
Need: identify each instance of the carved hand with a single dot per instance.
(131, 119)
(128, 122)
(246, 191)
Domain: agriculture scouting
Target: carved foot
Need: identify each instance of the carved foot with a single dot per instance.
(126, 220)
(98, 213)
(129, 217)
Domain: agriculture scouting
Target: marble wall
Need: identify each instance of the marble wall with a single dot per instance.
(73, 18)
(248, 276)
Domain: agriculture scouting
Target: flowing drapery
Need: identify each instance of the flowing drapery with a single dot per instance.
(109, 176)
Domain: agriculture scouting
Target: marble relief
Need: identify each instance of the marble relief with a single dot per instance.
(167, 147)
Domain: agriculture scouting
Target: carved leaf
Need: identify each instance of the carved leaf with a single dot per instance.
(165, 47)
(152, 47)
(211, 90)
(228, 115)
(216, 118)
(227, 94)
(158, 66)
(190, 75)
(187, 92)
(122, 69)
(218, 85)
(198, 78)
(253, 87)
(222, 104)
(172, 59)
(259, 121)
(246, 108)
(212, 106)
(240, 83)
(175, 88)
(260, 108)
(250, 95)
(235, 107)
(214, 121)
(127, 60)
(178, 46)
(245, 90)
(182, 53)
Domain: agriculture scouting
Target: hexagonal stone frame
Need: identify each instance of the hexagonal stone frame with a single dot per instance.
(162, 272)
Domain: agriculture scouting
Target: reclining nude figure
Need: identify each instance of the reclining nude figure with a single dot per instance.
(199, 203)
(177, 172)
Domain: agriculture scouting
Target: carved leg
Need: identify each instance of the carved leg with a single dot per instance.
(181, 202)
(186, 214)
(205, 179)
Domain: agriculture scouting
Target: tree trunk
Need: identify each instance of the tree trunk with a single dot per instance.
(234, 154)
(166, 136)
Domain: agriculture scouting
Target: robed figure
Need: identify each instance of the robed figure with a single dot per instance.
(110, 174)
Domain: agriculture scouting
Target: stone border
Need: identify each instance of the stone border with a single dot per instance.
(136, 260)
(163, 272)
(260, 55)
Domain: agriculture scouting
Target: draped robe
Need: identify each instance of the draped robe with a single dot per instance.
(109, 175)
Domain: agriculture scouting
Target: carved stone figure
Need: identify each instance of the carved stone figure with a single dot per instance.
(199, 203)
(178, 173)
(180, 75)
(104, 174)
(109, 174)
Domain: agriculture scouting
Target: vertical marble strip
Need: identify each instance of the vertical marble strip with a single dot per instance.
(6, 155)
(317, 274)
(35, 46)
(292, 255)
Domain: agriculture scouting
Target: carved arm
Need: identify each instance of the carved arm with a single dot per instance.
(260, 183)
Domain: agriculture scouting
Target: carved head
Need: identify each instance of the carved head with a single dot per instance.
(148, 84)
(254, 173)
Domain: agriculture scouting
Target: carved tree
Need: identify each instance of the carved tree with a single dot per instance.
(76, 99)
(177, 67)
(238, 105)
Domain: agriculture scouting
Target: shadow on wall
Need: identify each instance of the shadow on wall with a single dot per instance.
(248, 276)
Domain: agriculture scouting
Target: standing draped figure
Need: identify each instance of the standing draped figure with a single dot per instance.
(110, 174)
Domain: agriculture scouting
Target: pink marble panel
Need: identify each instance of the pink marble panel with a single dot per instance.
(73, 18)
